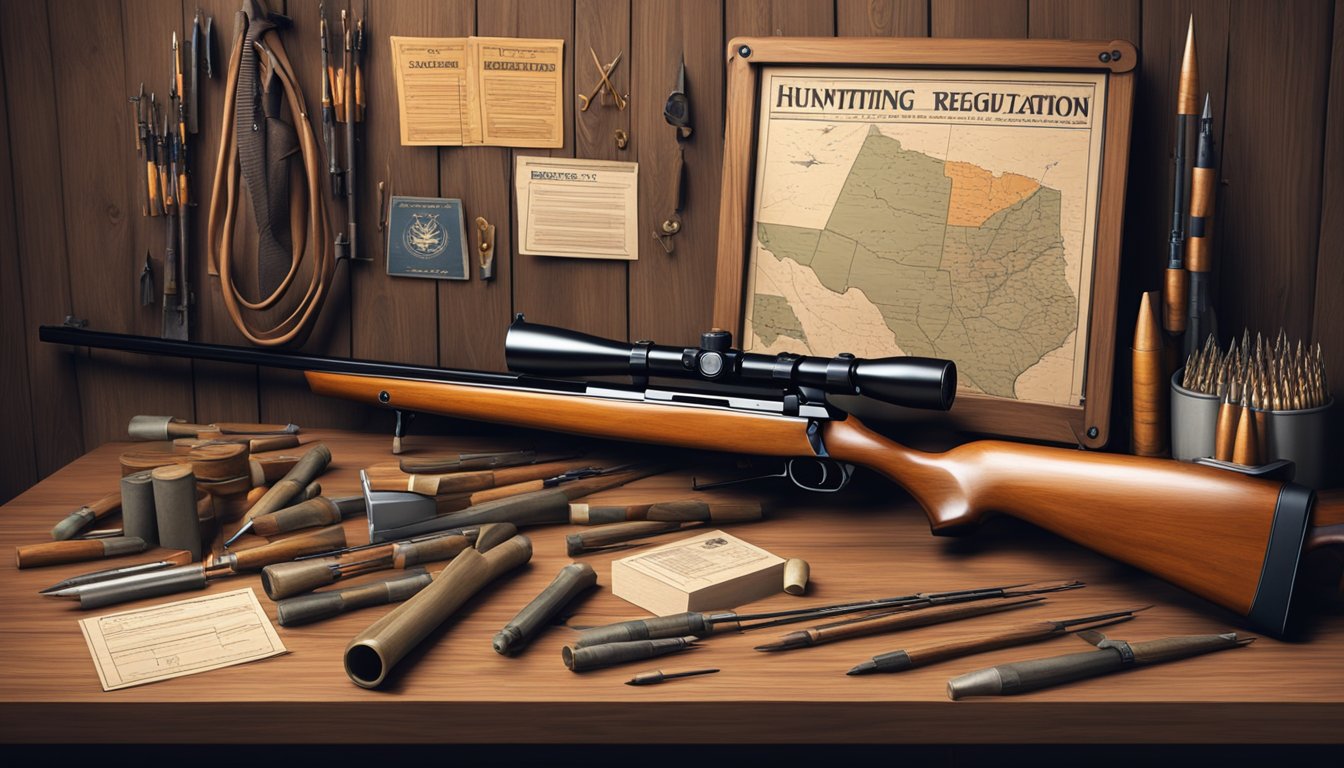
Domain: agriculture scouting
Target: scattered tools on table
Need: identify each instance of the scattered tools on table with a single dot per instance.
(1111, 656)
(573, 580)
(107, 574)
(86, 515)
(316, 606)
(168, 428)
(373, 653)
(659, 676)
(198, 575)
(282, 580)
(313, 463)
(76, 550)
(906, 617)
(315, 512)
(397, 515)
(463, 462)
(1018, 634)
(702, 624)
(679, 511)
(618, 535)
(389, 477)
(591, 657)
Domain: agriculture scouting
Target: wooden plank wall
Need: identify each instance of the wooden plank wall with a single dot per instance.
(72, 239)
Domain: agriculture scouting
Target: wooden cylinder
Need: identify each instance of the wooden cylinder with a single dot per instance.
(305, 609)
(282, 580)
(220, 461)
(702, 511)
(142, 461)
(175, 508)
(537, 508)
(268, 469)
(616, 533)
(676, 625)
(375, 651)
(313, 463)
(573, 580)
(281, 550)
(428, 551)
(87, 515)
(138, 518)
(491, 535)
(796, 574)
(581, 513)
(312, 513)
(611, 654)
(75, 551)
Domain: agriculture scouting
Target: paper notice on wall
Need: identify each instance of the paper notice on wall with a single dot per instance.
(480, 91)
(577, 208)
(161, 642)
(431, 89)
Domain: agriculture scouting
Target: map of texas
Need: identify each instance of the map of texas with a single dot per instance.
(961, 263)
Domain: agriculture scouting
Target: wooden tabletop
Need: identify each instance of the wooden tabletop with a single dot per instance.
(455, 688)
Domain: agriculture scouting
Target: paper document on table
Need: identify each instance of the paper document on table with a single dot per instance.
(182, 638)
(578, 208)
(480, 91)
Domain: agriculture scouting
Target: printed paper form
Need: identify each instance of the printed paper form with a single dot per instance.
(519, 92)
(577, 208)
(474, 91)
(431, 89)
(182, 638)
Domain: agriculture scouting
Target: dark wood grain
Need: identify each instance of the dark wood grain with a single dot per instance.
(223, 390)
(43, 272)
(978, 18)
(16, 453)
(1148, 204)
(1278, 68)
(1084, 19)
(587, 294)
(1328, 323)
(1271, 692)
(282, 394)
(394, 317)
(669, 300)
(790, 18)
(882, 18)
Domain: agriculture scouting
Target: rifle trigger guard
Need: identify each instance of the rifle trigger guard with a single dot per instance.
(826, 469)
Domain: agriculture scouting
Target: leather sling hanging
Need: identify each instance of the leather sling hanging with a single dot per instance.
(291, 218)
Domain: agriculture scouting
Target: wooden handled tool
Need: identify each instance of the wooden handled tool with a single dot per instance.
(58, 552)
(168, 428)
(389, 477)
(85, 516)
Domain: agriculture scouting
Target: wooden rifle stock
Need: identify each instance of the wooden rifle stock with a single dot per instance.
(1232, 539)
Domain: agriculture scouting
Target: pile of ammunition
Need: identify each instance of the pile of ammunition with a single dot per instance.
(1253, 380)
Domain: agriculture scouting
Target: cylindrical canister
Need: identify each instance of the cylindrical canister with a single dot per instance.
(1194, 419)
(175, 508)
(137, 508)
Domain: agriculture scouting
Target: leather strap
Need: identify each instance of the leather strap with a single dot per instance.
(290, 218)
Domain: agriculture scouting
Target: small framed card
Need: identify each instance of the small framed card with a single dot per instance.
(426, 237)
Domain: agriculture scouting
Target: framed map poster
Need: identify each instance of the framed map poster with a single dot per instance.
(940, 198)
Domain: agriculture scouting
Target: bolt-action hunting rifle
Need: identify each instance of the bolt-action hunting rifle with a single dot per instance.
(1233, 539)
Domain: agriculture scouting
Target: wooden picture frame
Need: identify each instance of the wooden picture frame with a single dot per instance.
(1112, 63)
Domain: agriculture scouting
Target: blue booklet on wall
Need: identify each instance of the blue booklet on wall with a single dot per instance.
(426, 237)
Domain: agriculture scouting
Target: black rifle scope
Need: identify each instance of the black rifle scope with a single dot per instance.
(917, 382)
